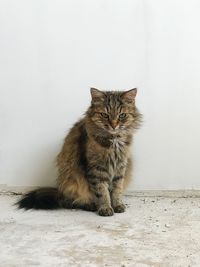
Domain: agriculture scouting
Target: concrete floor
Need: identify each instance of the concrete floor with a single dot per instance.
(155, 231)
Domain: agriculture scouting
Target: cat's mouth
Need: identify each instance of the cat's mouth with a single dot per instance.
(114, 131)
(109, 129)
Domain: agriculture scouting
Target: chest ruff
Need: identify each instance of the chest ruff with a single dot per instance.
(112, 154)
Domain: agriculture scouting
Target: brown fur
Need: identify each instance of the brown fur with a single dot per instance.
(104, 148)
(95, 164)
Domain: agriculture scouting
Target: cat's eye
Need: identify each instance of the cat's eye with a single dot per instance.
(104, 115)
(122, 115)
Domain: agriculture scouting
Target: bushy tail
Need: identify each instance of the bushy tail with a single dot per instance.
(49, 198)
(44, 198)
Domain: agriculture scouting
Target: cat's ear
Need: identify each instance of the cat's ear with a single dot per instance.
(96, 95)
(129, 96)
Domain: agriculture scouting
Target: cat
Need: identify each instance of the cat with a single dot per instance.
(94, 165)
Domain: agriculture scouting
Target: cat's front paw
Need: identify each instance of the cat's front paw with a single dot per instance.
(120, 208)
(106, 211)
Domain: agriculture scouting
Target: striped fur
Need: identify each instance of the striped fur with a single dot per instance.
(95, 161)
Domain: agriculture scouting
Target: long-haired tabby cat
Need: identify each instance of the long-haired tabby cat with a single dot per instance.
(95, 162)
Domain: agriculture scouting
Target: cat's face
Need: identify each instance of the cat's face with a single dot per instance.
(113, 111)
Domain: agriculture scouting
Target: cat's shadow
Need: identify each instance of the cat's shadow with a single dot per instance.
(45, 171)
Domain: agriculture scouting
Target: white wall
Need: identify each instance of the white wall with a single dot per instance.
(51, 52)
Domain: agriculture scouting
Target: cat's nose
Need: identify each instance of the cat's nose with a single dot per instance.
(114, 124)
